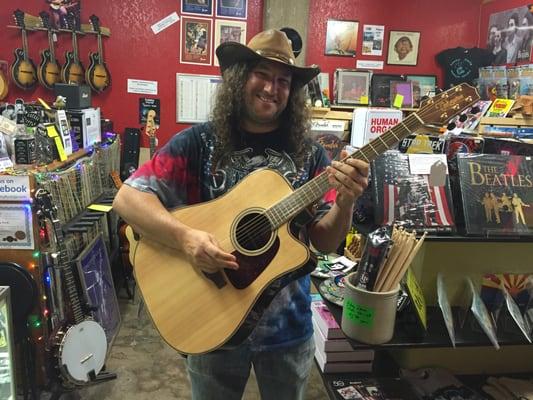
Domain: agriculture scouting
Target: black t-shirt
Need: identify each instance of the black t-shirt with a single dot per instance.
(461, 65)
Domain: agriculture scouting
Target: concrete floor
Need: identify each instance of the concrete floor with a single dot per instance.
(148, 369)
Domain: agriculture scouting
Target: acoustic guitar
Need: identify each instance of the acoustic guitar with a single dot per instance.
(23, 70)
(97, 75)
(49, 72)
(4, 87)
(73, 71)
(197, 312)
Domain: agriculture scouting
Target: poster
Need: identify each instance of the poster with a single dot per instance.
(373, 40)
(510, 35)
(146, 105)
(195, 41)
(195, 95)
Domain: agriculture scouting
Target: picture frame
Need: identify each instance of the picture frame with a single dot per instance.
(232, 8)
(351, 87)
(423, 85)
(96, 280)
(195, 40)
(403, 48)
(229, 30)
(201, 7)
(341, 38)
(380, 88)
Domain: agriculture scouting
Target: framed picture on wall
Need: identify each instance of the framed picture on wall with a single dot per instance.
(232, 8)
(423, 85)
(195, 41)
(229, 31)
(203, 7)
(341, 38)
(403, 48)
(351, 86)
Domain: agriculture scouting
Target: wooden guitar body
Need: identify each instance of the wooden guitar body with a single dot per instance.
(73, 71)
(215, 312)
(4, 88)
(49, 72)
(97, 75)
(23, 71)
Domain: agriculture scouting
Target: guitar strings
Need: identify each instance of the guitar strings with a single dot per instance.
(257, 229)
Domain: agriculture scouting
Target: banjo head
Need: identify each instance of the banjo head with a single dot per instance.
(82, 349)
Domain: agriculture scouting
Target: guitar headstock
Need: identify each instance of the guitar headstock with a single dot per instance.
(71, 22)
(45, 20)
(440, 108)
(45, 206)
(151, 125)
(95, 22)
(18, 14)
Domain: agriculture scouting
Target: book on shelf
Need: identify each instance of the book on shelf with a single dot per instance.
(346, 352)
(325, 320)
(342, 366)
(326, 345)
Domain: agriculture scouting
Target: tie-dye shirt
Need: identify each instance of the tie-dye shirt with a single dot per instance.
(180, 173)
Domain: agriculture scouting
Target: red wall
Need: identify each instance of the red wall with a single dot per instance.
(442, 25)
(132, 51)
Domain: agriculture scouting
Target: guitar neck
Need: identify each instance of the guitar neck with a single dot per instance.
(153, 141)
(313, 190)
(25, 44)
(100, 48)
(75, 46)
(51, 47)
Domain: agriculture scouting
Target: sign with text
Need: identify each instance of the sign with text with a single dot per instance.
(14, 188)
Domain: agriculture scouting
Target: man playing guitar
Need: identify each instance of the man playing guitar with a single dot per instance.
(259, 121)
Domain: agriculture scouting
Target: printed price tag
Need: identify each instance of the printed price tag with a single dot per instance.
(398, 101)
(359, 314)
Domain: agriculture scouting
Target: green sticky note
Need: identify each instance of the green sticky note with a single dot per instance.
(398, 101)
(359, 314)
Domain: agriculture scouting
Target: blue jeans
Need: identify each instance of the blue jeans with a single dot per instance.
(281, 374)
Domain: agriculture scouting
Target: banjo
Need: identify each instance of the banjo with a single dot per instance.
(80, 348)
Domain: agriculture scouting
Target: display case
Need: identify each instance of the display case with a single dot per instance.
(7, 368)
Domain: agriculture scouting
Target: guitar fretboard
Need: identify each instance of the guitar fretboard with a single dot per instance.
(313, 190)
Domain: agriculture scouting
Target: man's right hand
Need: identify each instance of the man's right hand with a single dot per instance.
(203, 251)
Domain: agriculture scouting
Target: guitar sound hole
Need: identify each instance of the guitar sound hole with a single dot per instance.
(253, 231)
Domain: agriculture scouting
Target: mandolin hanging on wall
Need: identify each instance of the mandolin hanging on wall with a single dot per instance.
(73, 71)
(23, 70)
(97, 75)
(49, 72)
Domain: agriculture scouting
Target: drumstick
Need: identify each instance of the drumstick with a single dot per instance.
(407, 248)
(407, 263)
(400, 247)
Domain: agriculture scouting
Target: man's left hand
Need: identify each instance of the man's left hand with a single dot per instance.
(349, 178)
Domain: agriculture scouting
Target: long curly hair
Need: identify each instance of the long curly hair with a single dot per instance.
(229, 109)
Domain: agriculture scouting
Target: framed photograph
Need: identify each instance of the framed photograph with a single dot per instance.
(195, 40)
(403, 48)
(341, 38)
(232, 8)
(229, 31)
(203, 7)
(351, 86)
(97, 282)
(423, 85)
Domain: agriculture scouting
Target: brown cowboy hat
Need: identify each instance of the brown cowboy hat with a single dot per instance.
(270, 45)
